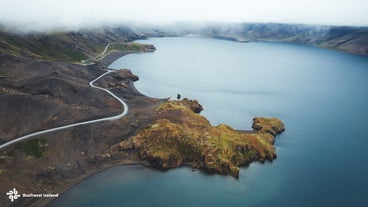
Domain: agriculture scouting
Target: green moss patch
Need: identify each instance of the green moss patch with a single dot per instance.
(32, 147)
(182, 136)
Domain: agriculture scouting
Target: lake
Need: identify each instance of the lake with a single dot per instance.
(321, 95)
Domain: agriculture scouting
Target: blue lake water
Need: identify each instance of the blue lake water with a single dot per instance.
(321, 95)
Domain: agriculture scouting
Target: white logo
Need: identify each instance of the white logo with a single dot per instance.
(13, 194)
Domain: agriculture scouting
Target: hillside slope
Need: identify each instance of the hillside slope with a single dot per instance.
(341, 38)
(68, 46)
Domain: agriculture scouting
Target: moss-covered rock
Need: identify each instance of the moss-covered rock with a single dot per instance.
(182, 137)
(192, 104)
(273, 126)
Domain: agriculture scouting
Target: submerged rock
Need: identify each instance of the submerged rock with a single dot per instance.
(182, 137)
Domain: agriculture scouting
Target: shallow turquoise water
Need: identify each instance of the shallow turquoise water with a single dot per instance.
(320, 95)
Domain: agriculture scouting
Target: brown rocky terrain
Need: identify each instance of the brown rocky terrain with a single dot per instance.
(67, 46)
(37, 95)
(41, 88)
(33, 92)
(180, 136)
(53, 162)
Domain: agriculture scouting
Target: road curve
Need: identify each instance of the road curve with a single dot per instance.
(125, 111)
(86, 62)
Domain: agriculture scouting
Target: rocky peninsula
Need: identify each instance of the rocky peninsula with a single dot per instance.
(40, 90)
(180, 136)
(157, 133)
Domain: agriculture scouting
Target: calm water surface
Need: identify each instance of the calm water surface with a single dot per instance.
(321, 95)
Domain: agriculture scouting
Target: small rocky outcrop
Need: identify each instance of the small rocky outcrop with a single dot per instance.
(182, 137)
(118, 79)
(148, 48)
(192, 104)
(273, 126)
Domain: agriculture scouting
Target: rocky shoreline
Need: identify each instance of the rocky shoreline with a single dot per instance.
(115, 54)
(180, 136)
(55, 162)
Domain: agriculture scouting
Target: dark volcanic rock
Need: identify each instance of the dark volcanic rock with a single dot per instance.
(38, 94)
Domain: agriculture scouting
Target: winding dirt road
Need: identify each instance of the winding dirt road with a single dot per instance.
(125, 111)
(90, 61)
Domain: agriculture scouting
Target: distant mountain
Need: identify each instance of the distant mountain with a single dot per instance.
(70, 46)
(73, 46)
(341, 38)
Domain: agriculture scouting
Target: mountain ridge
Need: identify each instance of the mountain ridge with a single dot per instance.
(347, 39)
(75, 45)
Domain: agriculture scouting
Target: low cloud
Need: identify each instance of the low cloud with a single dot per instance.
(54, 14)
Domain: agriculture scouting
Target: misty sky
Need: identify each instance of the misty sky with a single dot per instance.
(74, 13)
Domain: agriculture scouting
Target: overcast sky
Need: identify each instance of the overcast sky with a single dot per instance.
(58, 13)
